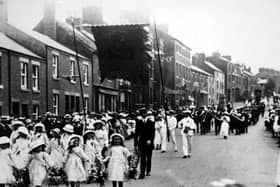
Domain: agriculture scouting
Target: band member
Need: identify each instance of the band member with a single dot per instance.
(144, 137)
(188, 127)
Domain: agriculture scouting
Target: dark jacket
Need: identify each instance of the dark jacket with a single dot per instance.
(145, 131)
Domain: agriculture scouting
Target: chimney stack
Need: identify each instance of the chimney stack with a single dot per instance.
(227, 57)
(3, 14)
(49, 21)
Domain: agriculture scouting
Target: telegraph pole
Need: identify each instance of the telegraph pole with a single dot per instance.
(80, 77)
(161, 80)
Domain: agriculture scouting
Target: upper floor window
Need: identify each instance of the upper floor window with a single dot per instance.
(72, 71)
(35, 77)
(23, 75)
(55, 103)
(55, 59)
(85, 73)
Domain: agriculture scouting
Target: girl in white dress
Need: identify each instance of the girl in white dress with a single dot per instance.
(118, 164)
(39, 163)
(6, 164)
(20, 148)
(157, 139)
(55, 149)
(225, 126)
(74, 167)
(90, 151)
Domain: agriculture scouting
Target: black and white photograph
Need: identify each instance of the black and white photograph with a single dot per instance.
(136, 93)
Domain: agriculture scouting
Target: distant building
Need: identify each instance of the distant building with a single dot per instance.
(266, 73)
(22, 80)
(201, 83)
(176, 69)
(217, 84)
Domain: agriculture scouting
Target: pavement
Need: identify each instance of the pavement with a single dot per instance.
(249, 159)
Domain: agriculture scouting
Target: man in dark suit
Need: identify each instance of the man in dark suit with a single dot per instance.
(144, 142)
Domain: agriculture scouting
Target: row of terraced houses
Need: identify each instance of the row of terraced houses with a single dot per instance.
(38, 72)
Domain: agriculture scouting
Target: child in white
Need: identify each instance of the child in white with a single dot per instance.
(163, 133)
(118, 164)
(40, 133)
(90, 150)
(225, 126)
(6, 164)
(74, 167)
(55, 149)
(157, 139)
(39, 163)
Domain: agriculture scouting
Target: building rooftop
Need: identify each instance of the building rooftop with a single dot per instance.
(212, 66)
(7, 43)
(195, 68)
(47, 40)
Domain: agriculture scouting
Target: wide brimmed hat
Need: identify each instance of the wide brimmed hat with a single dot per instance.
(88, 132)
(73, 137)
(171, 112)
(56, 131)
(68, 128)
(123, 115)
(40, 125)
(187, 111)
(114, 136)
(5, 118)
(23, 130)
(4, 140)
(98, 122)
(67, 116)
(17, 123)
(35, 144)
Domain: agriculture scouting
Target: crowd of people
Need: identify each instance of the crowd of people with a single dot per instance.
(75, 149)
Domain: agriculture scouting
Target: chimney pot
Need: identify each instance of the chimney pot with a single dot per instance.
(3, 14)
(49, 21)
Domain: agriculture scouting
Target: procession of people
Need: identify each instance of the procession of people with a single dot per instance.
(75, 150)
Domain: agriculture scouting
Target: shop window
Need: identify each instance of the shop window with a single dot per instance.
(35, 110)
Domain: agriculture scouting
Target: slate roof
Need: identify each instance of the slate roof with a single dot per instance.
(213, 66)
(7, 43)
(47, 40)
(195, 68)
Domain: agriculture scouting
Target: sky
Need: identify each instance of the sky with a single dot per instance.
(248, 30)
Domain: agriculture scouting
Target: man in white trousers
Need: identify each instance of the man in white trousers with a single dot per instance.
(172, 123)
(188, 127)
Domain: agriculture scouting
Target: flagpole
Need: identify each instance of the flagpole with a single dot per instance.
(80, 77)
(161, 78)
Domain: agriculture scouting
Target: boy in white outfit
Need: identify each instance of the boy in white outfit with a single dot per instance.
(188, 127)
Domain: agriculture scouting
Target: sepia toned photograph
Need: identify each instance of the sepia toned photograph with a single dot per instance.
(136, 93)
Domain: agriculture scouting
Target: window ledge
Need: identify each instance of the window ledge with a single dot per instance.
(55, 78)
(25, 90)
(86, 84)
(1, 86)
(72, 82)
(35, 91)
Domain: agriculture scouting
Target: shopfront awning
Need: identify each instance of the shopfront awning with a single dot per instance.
(109, 92)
